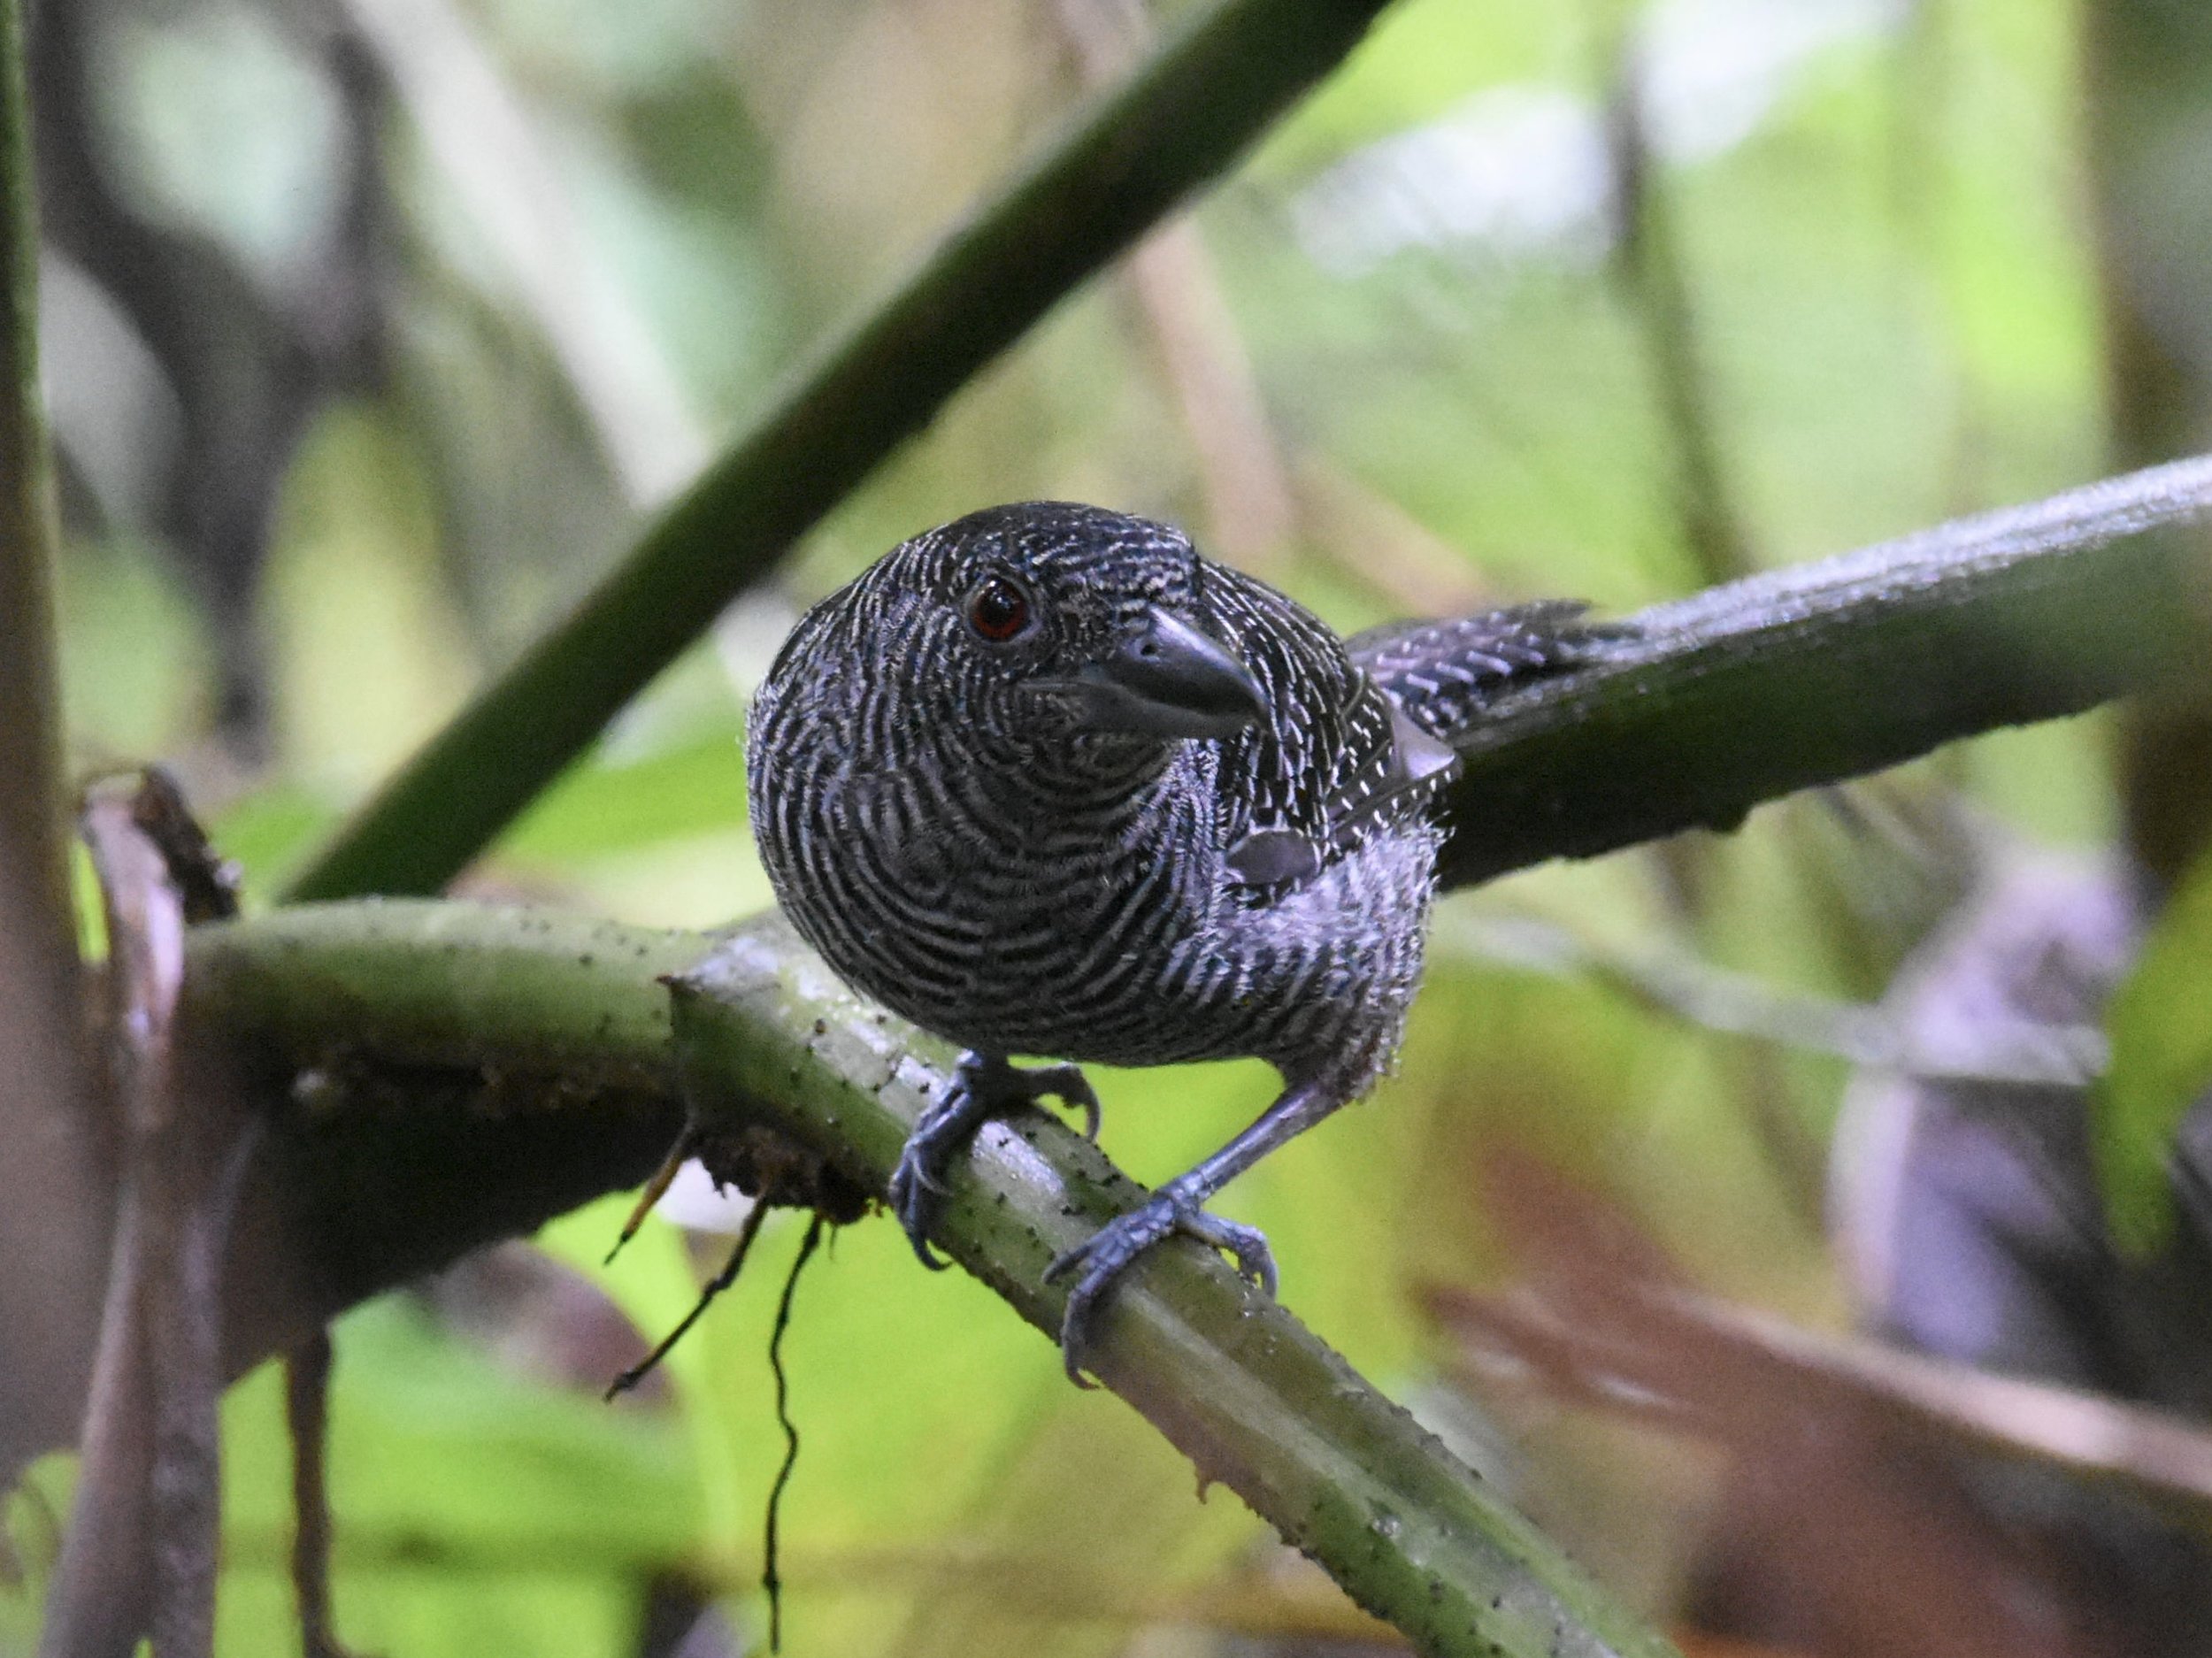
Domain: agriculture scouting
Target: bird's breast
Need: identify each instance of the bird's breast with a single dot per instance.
(1115, 930)
(994, 916)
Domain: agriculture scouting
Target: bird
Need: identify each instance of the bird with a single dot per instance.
(1047, 782)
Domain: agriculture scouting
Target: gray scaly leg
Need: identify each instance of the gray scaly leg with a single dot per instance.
(1178, 1207)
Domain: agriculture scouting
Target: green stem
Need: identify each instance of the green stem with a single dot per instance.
(32, 798)
(763, 1032)
(1182, 119)
(2147, 94)
(1819, 673)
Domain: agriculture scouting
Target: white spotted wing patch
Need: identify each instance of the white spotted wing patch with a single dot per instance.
(1443, 673)
(1336, 760)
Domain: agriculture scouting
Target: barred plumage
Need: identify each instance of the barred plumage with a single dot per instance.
(1046, 782)
(1440, 672)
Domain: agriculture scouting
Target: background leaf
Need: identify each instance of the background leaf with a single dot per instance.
(2160, 1025)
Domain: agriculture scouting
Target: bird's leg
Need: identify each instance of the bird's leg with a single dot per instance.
(1178, 1207)
(982, 1086)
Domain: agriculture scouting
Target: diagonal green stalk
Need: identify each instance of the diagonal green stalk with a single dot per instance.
(31, 810)
(1818, 672)
(1202, 98)
(762, 1032)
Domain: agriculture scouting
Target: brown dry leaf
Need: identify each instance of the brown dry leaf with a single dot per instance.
(1873, 1499)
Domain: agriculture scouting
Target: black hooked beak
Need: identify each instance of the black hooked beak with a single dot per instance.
(1166, 679)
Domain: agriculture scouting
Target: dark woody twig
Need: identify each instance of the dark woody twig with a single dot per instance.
(140, 1557)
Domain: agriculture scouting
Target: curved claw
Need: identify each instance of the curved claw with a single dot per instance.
(915, 1165)
(916, 1184)
(1071, 1085)
(910, 1192)
(1109, 1251)
(982, 1086)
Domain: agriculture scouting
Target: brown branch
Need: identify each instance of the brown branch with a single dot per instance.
(105, 1588)
(97, 1607)
(307, 1417)
(142, 1550)
(1606, 1320)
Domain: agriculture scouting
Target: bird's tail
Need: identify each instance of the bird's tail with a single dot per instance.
(1443, 674)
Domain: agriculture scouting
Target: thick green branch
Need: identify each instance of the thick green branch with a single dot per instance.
(1819, 673)
(1181, 120)
(767, 1035)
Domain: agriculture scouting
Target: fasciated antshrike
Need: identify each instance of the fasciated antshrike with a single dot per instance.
(1047, 782)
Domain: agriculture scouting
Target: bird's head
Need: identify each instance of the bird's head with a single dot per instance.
(1052, 620)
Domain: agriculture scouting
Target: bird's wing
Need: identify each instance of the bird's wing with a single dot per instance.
(1337, 757)
(1443, 673)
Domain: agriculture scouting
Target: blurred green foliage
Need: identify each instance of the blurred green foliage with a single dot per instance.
(1893, 298)
(2160, 1020)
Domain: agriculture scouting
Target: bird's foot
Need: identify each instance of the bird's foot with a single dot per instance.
(1064, 1083)
(1108, 1251)
(980, 1088)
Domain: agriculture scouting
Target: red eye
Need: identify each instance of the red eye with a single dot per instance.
(998, 610)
